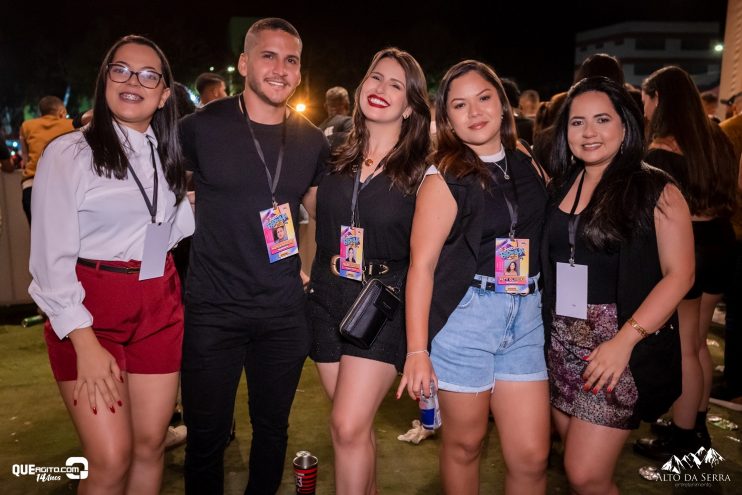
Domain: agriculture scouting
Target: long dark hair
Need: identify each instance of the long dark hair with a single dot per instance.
(452, 156)
(620, 205)
(710, 187)
(109, 156)
(405, 165)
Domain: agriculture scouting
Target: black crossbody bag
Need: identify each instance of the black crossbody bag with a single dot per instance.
(375, 305)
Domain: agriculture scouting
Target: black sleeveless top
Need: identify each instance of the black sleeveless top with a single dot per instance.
(531, 198)
(602, 272)
(385, 213)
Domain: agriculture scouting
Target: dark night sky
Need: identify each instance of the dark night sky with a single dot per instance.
(46, 48)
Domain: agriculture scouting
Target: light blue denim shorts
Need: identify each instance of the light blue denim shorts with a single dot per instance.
(490, 337)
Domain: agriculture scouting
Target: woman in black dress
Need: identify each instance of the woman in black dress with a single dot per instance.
(381, 165)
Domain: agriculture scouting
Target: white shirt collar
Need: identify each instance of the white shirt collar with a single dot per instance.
(138, 142)
(494, 158)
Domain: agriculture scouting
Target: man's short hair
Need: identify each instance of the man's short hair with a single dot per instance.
(49, 105)
(270, 24)
(207, 79)
(337, 96)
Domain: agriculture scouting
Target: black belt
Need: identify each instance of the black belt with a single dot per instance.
(372, 268)
(532, 285)
(108, 268)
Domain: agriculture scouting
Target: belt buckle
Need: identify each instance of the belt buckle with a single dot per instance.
(131, 270)
(384, 269)
(334, 265)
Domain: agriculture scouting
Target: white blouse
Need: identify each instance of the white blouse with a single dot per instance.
(77, 213)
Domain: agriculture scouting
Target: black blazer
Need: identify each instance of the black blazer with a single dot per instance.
(655, 360)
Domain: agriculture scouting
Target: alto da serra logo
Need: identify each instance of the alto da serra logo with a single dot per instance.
(693, 460)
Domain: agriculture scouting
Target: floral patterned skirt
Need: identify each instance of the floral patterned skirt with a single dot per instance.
(571, 340)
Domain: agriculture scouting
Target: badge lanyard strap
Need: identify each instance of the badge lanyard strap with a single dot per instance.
(574, 220)
(511, 200)
(272, 181)
(357, 188)
(151, 206)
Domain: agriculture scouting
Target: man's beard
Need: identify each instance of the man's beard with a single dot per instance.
(254, 85)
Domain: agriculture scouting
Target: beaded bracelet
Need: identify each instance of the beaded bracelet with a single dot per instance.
(417, 352)
(638, 328)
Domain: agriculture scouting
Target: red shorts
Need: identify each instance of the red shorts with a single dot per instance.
(139, 323)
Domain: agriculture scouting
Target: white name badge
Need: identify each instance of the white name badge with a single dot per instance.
(156, 240)
(571, 290)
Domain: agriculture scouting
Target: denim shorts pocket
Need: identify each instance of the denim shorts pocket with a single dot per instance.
(466, 301)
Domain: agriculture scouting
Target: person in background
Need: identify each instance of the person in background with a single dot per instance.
(523, 125)
(115, 325)
(528, 103)
(338, 123)
(35, 134)
(684, 142)
(710, 105)
(210, 87)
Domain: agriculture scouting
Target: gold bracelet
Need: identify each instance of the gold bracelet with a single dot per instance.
(638, 328)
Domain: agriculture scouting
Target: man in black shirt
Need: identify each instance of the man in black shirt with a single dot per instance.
(253, 161)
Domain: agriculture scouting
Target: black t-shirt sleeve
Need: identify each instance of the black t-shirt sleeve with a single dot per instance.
(4, 153)
(321, 166)
(188, 142)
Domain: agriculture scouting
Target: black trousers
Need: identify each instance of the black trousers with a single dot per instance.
(272, 352)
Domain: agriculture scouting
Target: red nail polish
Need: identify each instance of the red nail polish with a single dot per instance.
(584, 358)
(595, 391)
(586, 387)
(121, 404)
(95, 411)
(74, 402)
(112, 410)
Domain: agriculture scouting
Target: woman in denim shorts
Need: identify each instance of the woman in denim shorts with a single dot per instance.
(475, 332)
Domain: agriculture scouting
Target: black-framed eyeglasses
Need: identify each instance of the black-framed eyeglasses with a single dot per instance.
(119, 73)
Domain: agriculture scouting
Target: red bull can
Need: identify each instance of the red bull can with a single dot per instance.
(305, 472)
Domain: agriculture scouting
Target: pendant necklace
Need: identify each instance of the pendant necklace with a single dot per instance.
(503, 170)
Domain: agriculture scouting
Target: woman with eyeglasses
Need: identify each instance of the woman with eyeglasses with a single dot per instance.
(109, 207)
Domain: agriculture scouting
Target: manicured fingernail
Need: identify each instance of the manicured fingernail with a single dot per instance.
(610, 389)
(595, 391)
(584, 358)
(112, 410)
(95, 411)
(121, 404)
(586, 387)
(74, 402)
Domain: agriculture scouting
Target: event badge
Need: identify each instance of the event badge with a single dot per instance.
(351, 252)
(511, 265)
(278, 229)
(571, 290)
(156, 239)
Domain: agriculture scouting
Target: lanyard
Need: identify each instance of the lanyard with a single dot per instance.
(573, 221)
(272, 181)
(151, 206)
(358, 187)
(511, 199)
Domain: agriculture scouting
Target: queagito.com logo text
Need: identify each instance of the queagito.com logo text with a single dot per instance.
(75, 468)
